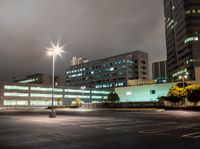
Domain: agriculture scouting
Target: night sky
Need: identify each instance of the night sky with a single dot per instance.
(93, 29)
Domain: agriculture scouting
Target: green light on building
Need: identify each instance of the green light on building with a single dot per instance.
(190, 39)
(13, 87)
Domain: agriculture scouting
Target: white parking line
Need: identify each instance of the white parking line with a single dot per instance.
(144, 124)
(111, 124)
(194, 135)
(185, 126)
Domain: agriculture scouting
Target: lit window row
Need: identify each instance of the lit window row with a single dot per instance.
(46, 95)
(44, 102)
(16, 94)
(74, 71)
(46, 89)
(193, 11)
(15, 102)
(77, 91)
(76, 96)
(99, 97)
(13, 87)
(171, 23)
(100, 92)
(190, 39)
(109, 85)
(75, 75)
(29, 80)
(179, 72)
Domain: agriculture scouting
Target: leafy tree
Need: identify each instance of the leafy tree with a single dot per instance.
(78, 102)
(176, 94)
(116, 97)
(193, 93)
(113, 97)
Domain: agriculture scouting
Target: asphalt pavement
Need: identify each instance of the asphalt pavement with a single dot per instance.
(100, 129)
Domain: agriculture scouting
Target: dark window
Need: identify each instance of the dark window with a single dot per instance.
(152, 91)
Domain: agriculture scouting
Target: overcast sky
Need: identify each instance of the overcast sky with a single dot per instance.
(90, 28)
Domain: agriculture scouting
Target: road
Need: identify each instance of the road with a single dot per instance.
(100, 129)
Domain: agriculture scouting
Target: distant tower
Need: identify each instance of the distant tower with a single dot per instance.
(77, 60)
(159, 71)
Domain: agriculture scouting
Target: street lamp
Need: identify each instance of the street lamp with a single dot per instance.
(54, 51)
(83, 88)
(183, 78)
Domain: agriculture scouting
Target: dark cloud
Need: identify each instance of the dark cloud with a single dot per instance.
(90, 28)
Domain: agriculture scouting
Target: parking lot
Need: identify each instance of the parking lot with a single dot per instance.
(100, 129)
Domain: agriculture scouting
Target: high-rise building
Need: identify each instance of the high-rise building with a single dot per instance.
(182, 24)
(109, 72)
(77, 60)
(159, 71)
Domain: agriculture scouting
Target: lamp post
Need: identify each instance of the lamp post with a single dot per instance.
(83, 88)
(183, 78)
(54, 51)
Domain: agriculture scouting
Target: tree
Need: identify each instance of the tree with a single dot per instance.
(78, 102)
(113, 97)
(193, 93)
(176, 94)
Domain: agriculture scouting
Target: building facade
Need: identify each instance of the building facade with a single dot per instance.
(41, 79)
(182, 27)
(143, 93)
(77, 60)
(18, 94)
(159, 71)
(109, 72)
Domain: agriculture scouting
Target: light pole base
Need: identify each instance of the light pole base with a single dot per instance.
(52, 114)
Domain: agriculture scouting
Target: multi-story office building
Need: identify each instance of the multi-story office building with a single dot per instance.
(159, 72)
(41, 79)
(77, 61)
(109, 72)
(182, 24)
(18, 94)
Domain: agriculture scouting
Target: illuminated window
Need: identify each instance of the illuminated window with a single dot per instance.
(97, 97)
(77, 91)
(45, 102)
(112, 68)
(16, 94)
(128, 93)
(187, 12)
(10, 87)
(193, 11)
(15, 102)
(41, 89)
(100, 92)
(46, 95)
(190, 39)
(28, 80)
(46, 89)
(76, 96)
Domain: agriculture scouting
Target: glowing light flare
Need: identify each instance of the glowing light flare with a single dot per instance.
(55, 49)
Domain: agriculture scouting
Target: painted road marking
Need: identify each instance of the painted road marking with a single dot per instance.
(144, 124)
(112, 124)
(185, 126)
(194, 135)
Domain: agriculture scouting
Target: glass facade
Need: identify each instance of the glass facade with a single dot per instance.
(32, 95)
(15, 102)
(14, 87)
(16, 94)
(182, 30)
(109, 72)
